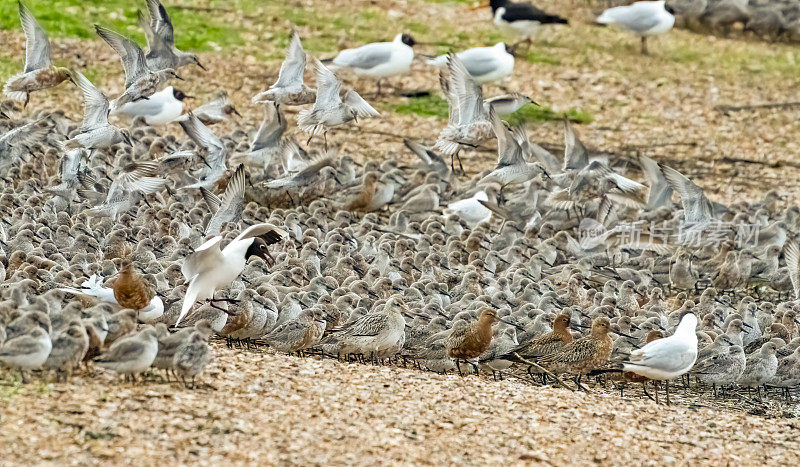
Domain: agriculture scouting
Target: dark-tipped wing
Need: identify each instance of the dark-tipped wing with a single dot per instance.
(37, 46)
(131, 55)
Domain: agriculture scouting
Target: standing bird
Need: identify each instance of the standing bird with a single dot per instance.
(521, 18)
(668, 358)
(468, 342)
(585, 354)
(646, 18)
(209, 268)
(160, 35)
(483, 64)
(330, 109)
(95, 131)
(39, 72)
(378, 60)
(131, 290)
(132, 354)
(289, 89)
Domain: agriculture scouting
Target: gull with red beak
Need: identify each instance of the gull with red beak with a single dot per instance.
(209, 268)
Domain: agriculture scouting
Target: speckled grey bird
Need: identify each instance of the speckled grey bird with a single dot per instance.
(96, 132)
(228, 206)
(27, 351)
(131, 355)
(68, 349)
(289, 89)
(39, 72)
(160, 34)
(140, 81)
(468, 122)
(329, 109)
(214, 111)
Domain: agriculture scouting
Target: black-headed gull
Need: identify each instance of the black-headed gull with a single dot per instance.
(379, 59)
(521, 18)
(644, 19)
(209, 268)
(483, 64)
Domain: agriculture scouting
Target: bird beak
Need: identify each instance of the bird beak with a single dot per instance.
(178, 77)
(236, 112)
(623, 334)
(197, 62)
(480, 7)
(747, 326)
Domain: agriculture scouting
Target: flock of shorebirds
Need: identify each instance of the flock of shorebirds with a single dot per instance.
(130, 248)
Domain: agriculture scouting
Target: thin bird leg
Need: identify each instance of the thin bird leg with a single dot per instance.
(644, 46)
(644, 387)
(666, 388)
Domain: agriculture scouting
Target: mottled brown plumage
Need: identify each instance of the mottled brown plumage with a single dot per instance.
(585, 354)
(472, 340)
(551, 342)
(131, 290)
(362, 200)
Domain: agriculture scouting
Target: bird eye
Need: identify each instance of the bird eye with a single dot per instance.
(263, 247)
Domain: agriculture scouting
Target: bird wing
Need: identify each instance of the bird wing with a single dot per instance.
(696, 206)
(271, 129)
(205, 257)
(660, 192)
(141, 176)
(236, 186)
(293, 65)
(95, 103)
(131, 55)
(155, 43)
(211, 199)
(328, 87)
(365, 57)
(575, 154)
(419, 150)
(509, 151)
(21, 345)
(668, 355)
(122, 349)
(269, 232)
(160, 22)
(465, 91)
(359, 105)
(200, 134)
(37, 46)
(792, 255)
(480, 60)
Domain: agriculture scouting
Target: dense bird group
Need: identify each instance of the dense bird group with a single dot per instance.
(130, 247)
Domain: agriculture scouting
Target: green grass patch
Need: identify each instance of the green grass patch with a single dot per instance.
(426, 106)
(538, 56)
(195, 28)
(535, 113)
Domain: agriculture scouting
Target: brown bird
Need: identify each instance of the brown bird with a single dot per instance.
(363, 198)
(468, 342)
(131, 290)
(551, 342)
(585, 354)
